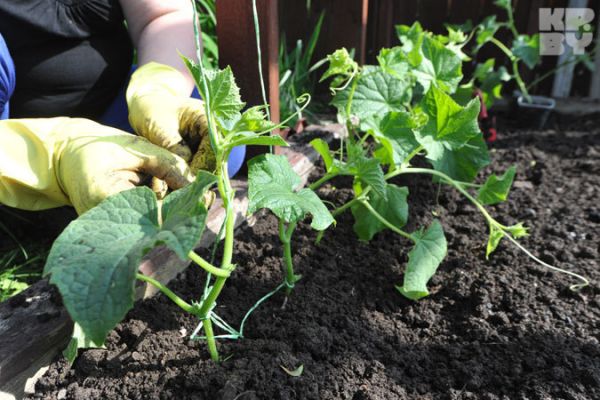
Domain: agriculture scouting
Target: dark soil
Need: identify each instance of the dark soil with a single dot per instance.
(498, 329)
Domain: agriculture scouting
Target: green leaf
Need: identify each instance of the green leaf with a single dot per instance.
(490, 81)
(495, 189)
(394, 209)
(450, 126)
(423, 260)
(254, 119)
(184, 215)
(396, 134)
(272, 184)
(486, 30)
(440, 67)
(340, 63)
(254, 139)
(322, 148)
(376, 92)
(369, 172)
(393, 61)
(516, 231)
(527, 48)
(225, 100)
(95, 260)
(494, 239)
(464, 163)
(503, 4)
(78, 341)
(411, 38)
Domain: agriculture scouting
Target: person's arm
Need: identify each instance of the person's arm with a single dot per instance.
(160, 30)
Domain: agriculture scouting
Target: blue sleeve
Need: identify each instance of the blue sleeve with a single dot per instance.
(7, 78)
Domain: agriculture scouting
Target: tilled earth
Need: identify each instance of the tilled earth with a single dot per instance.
(498, 329)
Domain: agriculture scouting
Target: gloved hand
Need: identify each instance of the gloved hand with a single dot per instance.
(161, 110)
(52, 162)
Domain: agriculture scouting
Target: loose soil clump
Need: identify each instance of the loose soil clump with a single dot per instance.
(498, 329)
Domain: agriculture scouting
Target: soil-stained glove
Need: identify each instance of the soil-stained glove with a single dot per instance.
(161, 110)
(46, 163)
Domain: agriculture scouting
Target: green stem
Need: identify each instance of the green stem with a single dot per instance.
(385, 222)
(259, 53)
(208, 267)
(227, 195)
(285, 236)
(320, 182)
(503, 48)
(576, 287)
(412, 155)
(493, 222)
(210, 339)
(169, 293)
(520, 83)
(511, 21)
(447, 179)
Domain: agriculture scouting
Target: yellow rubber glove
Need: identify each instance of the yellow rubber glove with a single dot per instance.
(161, 110)
(52, 162)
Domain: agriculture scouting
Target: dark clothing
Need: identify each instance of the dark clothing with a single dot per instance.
(71, 56)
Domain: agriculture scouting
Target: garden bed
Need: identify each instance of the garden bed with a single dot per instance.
(495, 329)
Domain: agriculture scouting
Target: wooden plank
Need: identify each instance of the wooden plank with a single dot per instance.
(237, 48)
(460, 11)
(433, 14)
(380, 28)
(35, 327)
(595, 86)
(345, 24)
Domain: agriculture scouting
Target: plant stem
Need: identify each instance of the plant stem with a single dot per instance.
(169, 293)
(285, 235)
(320, 182)
(515, 67)
(210, 339)
(511, 20)
(208, 267)
(493, 222)
(385, 222)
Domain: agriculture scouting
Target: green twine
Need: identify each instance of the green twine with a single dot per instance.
(234, 334)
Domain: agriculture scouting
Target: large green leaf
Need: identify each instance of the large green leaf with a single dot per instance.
(450, 126)
(423, 260)
(527, 48)
(395, 133)
(394, 209)
(95, 260)
(273, 184)
(463, 163)
(495, 189)
(376, 92)
(440, 67)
